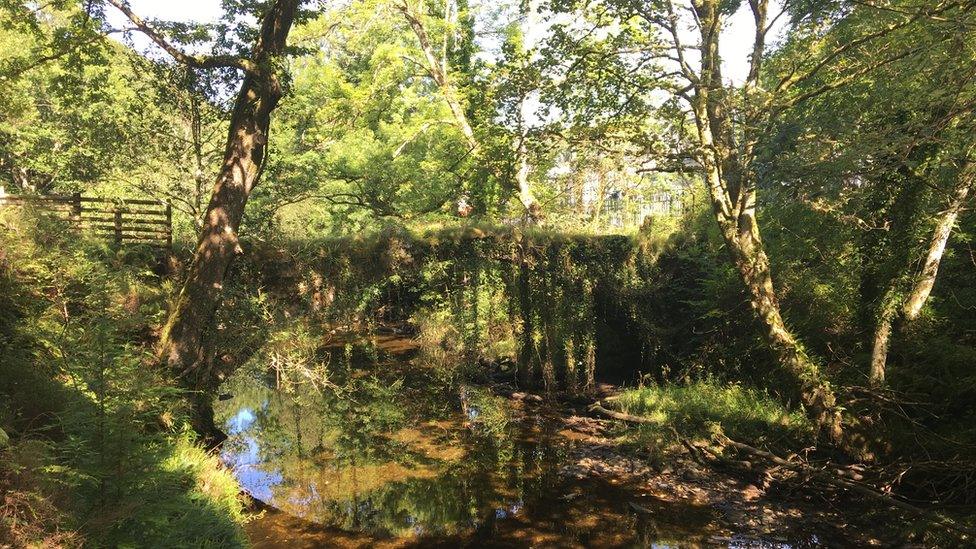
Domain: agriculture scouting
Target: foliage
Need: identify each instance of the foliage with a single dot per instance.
(99, 444)
(856, 134)
(698, 408)
(98, 118)
(360, 132)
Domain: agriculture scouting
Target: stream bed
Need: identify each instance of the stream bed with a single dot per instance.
(388, 452)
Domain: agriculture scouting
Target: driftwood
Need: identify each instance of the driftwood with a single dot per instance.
(823, 475)
(598, 408)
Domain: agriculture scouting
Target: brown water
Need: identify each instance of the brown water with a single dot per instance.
(394, 453)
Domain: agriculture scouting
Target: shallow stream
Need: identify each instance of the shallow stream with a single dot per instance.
(388, 452)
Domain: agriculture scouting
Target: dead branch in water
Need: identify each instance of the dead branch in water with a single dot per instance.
(820, 474)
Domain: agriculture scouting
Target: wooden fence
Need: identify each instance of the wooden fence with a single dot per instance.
(123, 220)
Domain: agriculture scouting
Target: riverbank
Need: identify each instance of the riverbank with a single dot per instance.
(487, 465)
(95, 444)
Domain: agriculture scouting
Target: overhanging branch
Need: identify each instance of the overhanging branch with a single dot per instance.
(195, 61)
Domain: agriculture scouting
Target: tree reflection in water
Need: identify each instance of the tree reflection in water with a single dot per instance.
(381, 452)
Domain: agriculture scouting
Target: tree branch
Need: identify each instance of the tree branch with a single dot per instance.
(840, 82)
(14, 73)
(759, 13)
(195, 61)
(792, 79)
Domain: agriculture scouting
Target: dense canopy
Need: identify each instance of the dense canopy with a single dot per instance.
(690, 233)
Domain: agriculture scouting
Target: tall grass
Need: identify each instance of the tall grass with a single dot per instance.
(698, 408)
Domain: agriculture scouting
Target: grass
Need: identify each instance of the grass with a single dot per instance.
(97, 449)
(696, 409)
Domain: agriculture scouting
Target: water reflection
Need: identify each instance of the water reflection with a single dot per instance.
(403, 455)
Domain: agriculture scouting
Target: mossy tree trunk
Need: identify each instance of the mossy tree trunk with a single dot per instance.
(725, 158)
(937, 244)
(911, 306)
(181, 345)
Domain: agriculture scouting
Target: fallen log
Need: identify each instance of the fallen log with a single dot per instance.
(598, 408)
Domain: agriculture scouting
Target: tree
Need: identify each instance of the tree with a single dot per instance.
(59, 75)
(439, 69)
(729, 125)
(890, 152)
(729, 120)
(363, 134)
(725, 154)
(181, 345)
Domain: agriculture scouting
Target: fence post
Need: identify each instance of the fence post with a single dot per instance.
(118, 225)
(76, 208)
(169, 226)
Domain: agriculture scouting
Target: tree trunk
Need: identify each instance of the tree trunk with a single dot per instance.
(439, 72)
(922, 288)
(742, 238)
(181, 345)
(198, 168)
(733, 195)
(749, 257)
(879, 349)
(532, 208)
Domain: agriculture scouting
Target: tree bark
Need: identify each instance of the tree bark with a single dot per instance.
(198, 168)
(532, 208)
(922, 287)
(937, 244)
(181, 345)
(879, 349)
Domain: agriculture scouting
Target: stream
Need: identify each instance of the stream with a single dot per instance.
(391, 453)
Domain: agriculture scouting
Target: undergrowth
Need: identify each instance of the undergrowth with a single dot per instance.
(99, 450)
(697, 409)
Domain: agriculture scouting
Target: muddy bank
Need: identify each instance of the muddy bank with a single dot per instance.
(605, 496)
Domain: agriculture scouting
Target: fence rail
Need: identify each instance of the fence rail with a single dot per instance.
(124, 220)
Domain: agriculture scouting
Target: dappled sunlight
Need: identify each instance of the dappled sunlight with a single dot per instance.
(513, 273)
(429, 461)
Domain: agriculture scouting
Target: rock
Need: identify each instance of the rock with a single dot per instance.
(528, 397)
